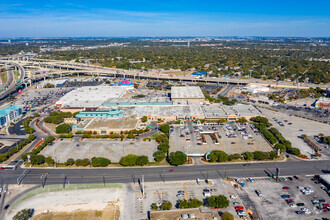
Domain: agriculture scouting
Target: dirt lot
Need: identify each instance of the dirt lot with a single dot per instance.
(176, 214)
(110, 212)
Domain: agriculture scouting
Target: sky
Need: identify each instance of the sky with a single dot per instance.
(155, 18)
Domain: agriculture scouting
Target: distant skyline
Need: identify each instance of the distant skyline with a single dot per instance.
(132, 18)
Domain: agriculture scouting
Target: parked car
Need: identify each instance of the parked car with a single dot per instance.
(300, 204)
(285, 196)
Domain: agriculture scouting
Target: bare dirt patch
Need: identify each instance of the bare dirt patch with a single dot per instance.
(110, 212)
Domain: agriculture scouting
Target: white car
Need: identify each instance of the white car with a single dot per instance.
(293, 205)
(304, 209)
(300, 187)
(233, 197)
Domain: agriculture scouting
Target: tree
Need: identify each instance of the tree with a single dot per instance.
(242, 120)
(128, 160)
(37, 159)
(154, 206)
(218, 156)
(49, 161)
(159, 155)
(258, 155)
(24, 214)
(165, 128)
(144, 119)
(142, 160)
(100, 162)
(192, 203)
(177, 158)
(63, 129)
(281, 147)
(166, 206)
(248, 155)
(220, 201)
(162, 138)
(85, 162)
(69, 162)
(35, 115)
(293, 150)
(227, 216)
(163, 147)
(3, 157)
(235, 157)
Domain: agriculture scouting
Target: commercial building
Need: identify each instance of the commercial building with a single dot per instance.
(322, 102)
(187, 93)
(9, 115)
(90, 97)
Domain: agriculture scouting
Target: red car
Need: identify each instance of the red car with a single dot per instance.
(289, 201)
(325, 210)
(172, 171)
(326, 205)
(239, 208)
(285, 187)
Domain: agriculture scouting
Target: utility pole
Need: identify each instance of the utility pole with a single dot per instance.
(225, 172)
(142, 186)
(104, 181)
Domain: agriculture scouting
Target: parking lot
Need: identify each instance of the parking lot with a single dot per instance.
(271, 205)
(111, 149)
(33, 99)
(158, 192)
(197, 139)
(295, 127)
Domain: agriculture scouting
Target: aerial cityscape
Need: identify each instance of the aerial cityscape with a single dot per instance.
(164, 110)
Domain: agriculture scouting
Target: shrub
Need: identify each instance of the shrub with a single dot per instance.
(281, 147)
(24, 214)
(159, 155)
(177, 158)
(100, 162)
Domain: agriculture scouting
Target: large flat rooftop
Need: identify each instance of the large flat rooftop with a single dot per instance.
(187, 92)
(92, 96)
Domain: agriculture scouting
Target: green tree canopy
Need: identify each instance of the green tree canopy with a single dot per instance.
(220, 201)
(177, 158)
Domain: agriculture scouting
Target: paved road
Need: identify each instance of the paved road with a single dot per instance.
(151, 174)
(226, 90)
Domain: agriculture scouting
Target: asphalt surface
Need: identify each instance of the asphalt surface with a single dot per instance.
(152, 174)
(226, 90)
(17, 129)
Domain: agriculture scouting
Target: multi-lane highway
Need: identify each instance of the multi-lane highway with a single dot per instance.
(152, 174)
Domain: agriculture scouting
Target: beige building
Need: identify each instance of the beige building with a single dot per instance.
(187, 93)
